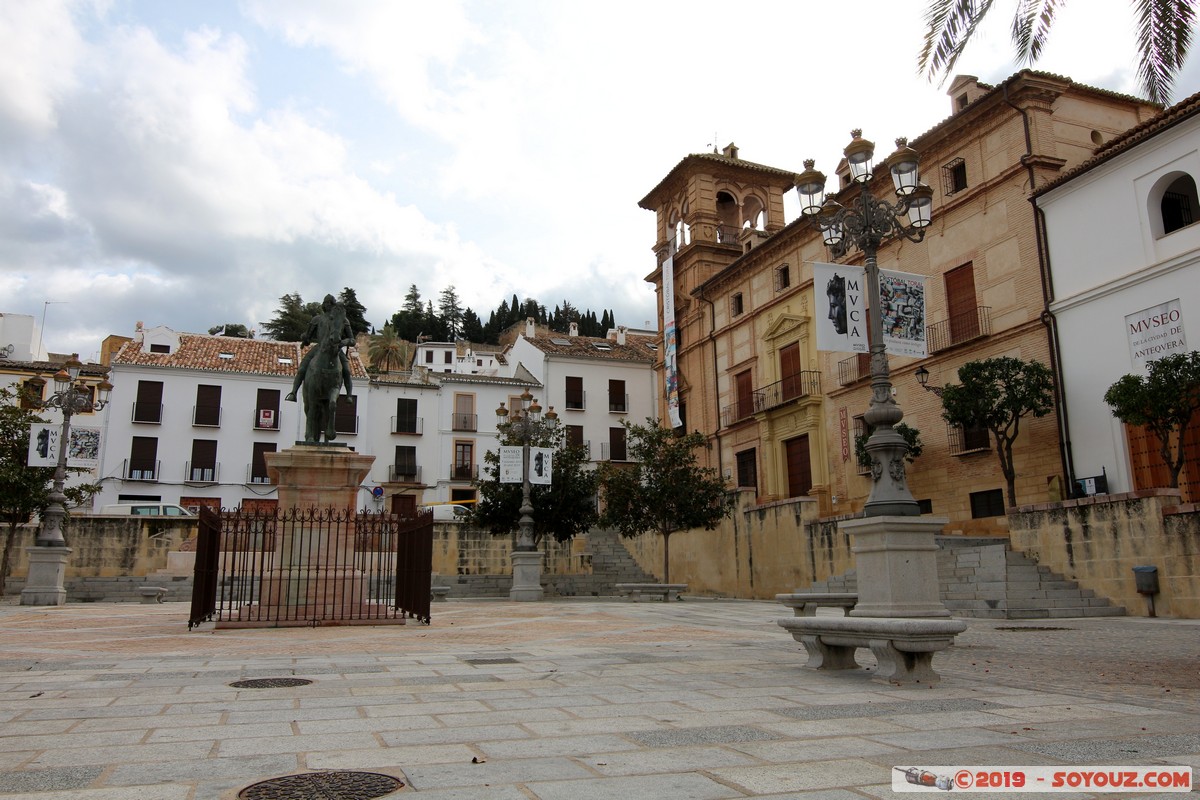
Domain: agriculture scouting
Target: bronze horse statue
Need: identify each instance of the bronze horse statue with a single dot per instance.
(324, 378)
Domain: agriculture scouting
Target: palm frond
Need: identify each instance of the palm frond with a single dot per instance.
(950, 26)
(1164, 35)
(1031, 26)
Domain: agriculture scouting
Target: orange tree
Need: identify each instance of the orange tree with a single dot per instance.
(663, 490)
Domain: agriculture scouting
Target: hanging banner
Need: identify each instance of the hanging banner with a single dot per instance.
(841, 308)
(670, 364)
(510, 464)
(1155, 332)
(902, 311)
(541, 465)
(84, 451)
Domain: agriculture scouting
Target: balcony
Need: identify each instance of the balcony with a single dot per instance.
(149, 413)
(618, 405)
(140, 470)
(793, 387)
(266, 419)
(464, 472)
(731, 415)
(256, 476)
(576, 401)
(974, 324)
(965, 441)
(404, 473)
(207, 472)
(206, 416)
(412, 426)
(611, 452)
(347, 425)
(855, 368)
(464, 422)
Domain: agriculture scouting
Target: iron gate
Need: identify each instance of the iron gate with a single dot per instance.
(311, 567)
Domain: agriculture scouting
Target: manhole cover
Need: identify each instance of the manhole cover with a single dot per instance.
(323, 786)
(1033, 628)
(270, 683)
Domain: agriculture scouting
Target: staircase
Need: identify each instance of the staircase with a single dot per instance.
(982, 577)
(611, 564)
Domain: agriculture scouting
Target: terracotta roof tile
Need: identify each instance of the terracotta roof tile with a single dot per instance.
(636, 348)
(226, 354)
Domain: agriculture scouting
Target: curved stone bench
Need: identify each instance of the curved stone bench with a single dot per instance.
(667, 591)
(903, 646)
(805, 604)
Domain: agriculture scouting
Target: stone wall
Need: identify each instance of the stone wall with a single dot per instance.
(758, 552)
(1097, 541)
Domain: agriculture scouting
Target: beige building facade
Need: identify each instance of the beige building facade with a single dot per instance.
(783, 416)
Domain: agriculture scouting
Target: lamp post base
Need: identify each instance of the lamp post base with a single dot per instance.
(527, 575)
(896, 562)
(44, 584)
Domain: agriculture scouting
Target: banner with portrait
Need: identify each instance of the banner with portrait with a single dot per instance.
(83, 452)
(841, 308)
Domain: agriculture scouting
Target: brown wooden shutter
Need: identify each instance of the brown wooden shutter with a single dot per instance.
(961, 303)
(745, 394)
(789, 370)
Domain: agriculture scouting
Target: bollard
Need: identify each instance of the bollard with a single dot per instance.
(1145, 580)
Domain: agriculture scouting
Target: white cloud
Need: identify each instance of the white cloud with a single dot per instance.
(39, 52)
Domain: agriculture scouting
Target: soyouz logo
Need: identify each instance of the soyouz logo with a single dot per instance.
(1041, 779)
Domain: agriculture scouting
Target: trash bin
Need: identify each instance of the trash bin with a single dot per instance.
(1145, 580)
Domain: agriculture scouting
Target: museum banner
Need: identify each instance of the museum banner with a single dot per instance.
(841, 308)
(84, 451)
(670, 363)
(902, 311)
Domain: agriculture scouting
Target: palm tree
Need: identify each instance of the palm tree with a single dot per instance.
(1164, 33)
(387, 351)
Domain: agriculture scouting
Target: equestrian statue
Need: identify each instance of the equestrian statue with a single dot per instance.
(324, 369)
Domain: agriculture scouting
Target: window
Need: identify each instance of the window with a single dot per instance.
(575, 397)
(783, 277)
(406, 416)
(618, 401)
(954, 176)
(148, 405)
(789, 370)
(1179, 204)
(30, 398)
(203, 466)
(745, 394)
(465, 418)
(447, 357)
(960, 303)
(968, 440)
(616, 444)
(266, 410)
(464, 461)
(960, 102)
(160, 348)
(208, 406)
(405, 468)
(987, 504)
(345, 418)
(462, 495)
(736, 307)
(574, 435)
(258, 462)
(747, 469)
(925, 506)
(143, 459)
(428, 356)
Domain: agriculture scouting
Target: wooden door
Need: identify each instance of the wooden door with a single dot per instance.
(799, 467)
(789, 370)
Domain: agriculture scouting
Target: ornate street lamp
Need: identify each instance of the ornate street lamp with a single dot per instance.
(866, 223)
(525, 424)
(71, 397)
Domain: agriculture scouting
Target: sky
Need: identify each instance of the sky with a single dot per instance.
(189, 163)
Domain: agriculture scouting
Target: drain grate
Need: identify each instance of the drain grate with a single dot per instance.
(270, 683)
(1032, 628)
(332, 785)
(480, 661)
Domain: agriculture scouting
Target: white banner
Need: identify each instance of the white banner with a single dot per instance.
(1155, 332)
(510, 464)
(541, 465)
(670, 364)
(84, 451)
(902, 309)
(841, 308)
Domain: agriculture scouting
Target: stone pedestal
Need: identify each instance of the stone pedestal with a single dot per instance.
(896, 562)
(313, 577)
(527, 575)
(44, 584)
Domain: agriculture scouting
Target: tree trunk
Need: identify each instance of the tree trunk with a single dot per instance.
(666, 556)
(5, 561)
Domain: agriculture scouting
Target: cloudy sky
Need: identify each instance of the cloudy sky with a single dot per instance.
(186, 164)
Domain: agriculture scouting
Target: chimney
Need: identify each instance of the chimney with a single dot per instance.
(730, 151)
(530, 330)
(574, 329)
(620, 334)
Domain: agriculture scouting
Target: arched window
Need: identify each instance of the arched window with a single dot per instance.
(1173, 203)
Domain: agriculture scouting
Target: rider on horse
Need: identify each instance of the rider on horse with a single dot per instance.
(315, 333)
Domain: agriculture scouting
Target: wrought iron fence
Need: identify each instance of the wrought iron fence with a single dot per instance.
(311, 566)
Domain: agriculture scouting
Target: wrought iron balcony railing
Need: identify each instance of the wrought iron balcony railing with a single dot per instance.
(793, 387)
(960, 328)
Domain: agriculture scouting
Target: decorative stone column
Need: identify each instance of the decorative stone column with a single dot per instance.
(44, 583)
(896, 563)
(527, 575)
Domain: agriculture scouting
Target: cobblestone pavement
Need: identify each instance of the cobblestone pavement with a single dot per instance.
(570, 699)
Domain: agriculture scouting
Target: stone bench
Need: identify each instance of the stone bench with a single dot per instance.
(667, 591)
(903, 646)
(438, 593)
(152, 594)
(805, 604)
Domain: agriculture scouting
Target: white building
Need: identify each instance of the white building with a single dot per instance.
(1124, 257)
(592, 383)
